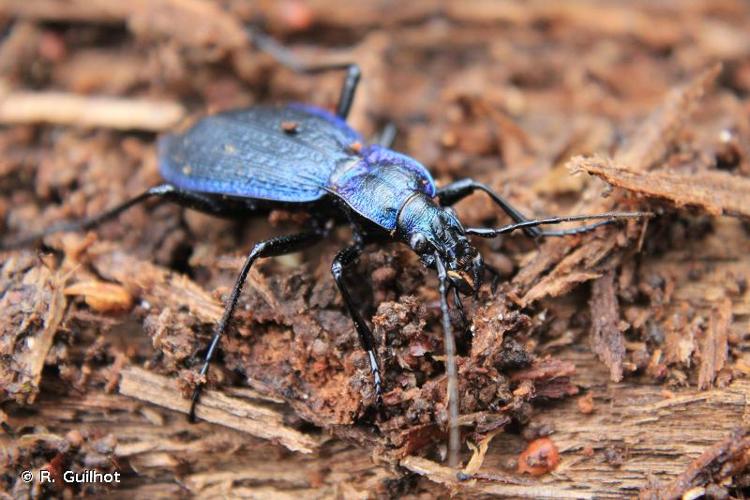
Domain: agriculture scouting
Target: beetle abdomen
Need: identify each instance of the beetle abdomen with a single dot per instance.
(278, 153)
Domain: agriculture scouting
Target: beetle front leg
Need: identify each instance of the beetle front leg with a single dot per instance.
(269, 248)
(344, 259)
(456, 191)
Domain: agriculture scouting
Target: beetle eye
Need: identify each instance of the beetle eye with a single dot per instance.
(418, 242)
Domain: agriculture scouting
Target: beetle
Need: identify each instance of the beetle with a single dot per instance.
(302, 157)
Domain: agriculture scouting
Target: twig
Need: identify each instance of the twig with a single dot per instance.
(70, 109)
(449, 477)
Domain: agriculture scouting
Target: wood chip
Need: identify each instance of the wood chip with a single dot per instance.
(101, 296)
(216, 408)
(606, 338)
(714, 348)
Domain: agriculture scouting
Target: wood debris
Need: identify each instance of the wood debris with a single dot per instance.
(607, 340)
(102, 333)
(718, 193)
(216, 408)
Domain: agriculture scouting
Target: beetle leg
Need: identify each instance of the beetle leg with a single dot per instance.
(387, 135)
(288, 59)
(451, 371)
(452, 193)
(344, 259)
(269, 248)
(456, 191)
(91, 222)
(164, 192)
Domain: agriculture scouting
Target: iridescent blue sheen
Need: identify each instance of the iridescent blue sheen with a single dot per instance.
(293, 153)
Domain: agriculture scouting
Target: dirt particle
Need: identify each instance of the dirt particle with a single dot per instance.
(540, 457)
(586, 404)
(290, 127)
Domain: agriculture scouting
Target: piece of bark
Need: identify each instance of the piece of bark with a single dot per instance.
(99, 11)
(157, 285)
(607, 340)
(216, 408)
(192, 23)
(59, 108)
(724, 459)
(32, 306)
(718, 193)
(102, 296)
(714, 348)
(544, 369)
(189, 22)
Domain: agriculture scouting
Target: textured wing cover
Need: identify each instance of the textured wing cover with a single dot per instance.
(273, 153)
(378, 185)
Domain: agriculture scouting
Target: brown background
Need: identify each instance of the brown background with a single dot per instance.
(628, 346)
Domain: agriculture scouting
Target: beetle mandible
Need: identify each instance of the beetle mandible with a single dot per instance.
(302, 157)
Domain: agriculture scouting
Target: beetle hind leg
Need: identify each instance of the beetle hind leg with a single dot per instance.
(163, 192)
(288, 59)
(87, 223)
(387, 135)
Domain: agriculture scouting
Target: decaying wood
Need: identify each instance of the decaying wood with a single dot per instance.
(606, 338)
(717, 193)
(719, 461)
(634, 436)
(216, 408)
(28, 334)
(626, 91)
(574, 264)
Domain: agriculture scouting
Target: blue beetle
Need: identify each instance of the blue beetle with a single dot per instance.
(301, 157)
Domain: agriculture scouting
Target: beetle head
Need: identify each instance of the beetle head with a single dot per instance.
(434, 232)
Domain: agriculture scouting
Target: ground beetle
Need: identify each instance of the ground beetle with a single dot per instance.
(305, 158)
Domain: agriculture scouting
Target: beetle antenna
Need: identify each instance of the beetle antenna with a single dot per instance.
(608, 217)
(450, 366)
